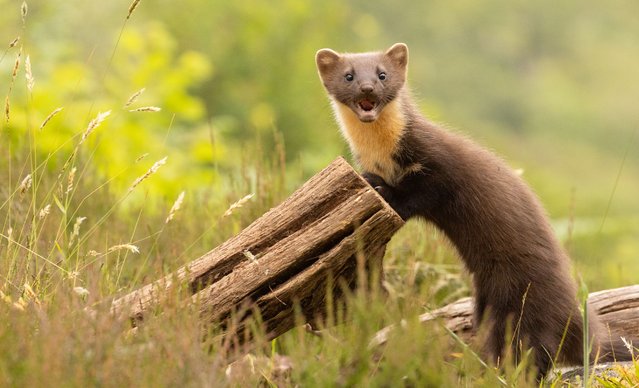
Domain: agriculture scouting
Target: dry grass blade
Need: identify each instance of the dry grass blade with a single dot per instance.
(9, 239)
(132, 8)
(150, 172)
(134, 97)
(146, 109)
(94, 124)
(237, 204)
(50, 116)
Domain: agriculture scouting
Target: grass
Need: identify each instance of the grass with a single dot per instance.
(54, 266)
(70, 239)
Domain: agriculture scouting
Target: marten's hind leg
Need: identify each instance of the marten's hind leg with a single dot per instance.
(499, 337)
(491, 330)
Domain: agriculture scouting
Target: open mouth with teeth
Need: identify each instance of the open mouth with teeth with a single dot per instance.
(366, 105)
(366, 109)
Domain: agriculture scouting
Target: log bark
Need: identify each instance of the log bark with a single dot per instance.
(287, 255)
(617, 308)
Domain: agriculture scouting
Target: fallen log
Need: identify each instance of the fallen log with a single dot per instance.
(290, 254)
(617, 308)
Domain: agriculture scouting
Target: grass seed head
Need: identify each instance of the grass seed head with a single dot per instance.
(19, 305)
(7, 108)
(44, 211)
(81, 291)
(628, 345)
(25, 184)
(14, 42)
(129, 247)
(29, 291)
(132, 8)
(16, 65)
(94, 124)
(134, 97)
(176, 206)
(6, 298)
(144, 155)
(24, 10)
(70, 180)
(28, 295)
(50, 116)
(238, 204)
(76, 229)
(156, 166)
(146, 109)
(28, 74)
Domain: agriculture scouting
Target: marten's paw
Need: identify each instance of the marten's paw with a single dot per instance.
(390, 195)
(378, 184)
(374, 180)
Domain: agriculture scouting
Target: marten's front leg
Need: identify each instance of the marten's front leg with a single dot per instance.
(390, 194)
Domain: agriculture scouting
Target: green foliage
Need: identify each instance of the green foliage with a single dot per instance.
(144, 60)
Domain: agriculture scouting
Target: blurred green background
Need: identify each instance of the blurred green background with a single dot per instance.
(551, 86)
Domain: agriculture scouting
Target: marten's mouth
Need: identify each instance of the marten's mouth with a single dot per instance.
(366, 109)
(366, 105)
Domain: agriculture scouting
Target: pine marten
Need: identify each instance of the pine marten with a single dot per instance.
(520, 272)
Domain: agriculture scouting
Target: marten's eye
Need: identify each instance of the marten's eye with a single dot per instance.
(349, 77)
(382, 76)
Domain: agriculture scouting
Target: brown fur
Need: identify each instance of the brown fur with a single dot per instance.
(520, 271)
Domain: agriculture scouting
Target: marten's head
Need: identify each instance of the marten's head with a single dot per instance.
(364, 82)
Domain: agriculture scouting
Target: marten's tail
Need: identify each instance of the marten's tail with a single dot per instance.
(616, 348)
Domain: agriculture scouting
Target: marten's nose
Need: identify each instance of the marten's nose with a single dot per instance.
(366, 88)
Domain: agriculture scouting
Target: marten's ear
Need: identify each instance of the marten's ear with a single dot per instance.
(398, 54)
(326, 60)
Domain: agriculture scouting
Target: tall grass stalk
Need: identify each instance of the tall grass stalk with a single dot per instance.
(586, 341)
